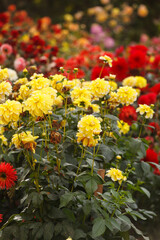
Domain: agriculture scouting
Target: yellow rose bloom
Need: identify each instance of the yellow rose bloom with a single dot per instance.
(116, 175)
(26, 140)
(126, 95)
(123, 127)
(146, 110)
(38, 104)
(100, 88)
(10, 111)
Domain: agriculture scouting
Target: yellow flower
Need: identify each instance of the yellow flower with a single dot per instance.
(38, 83)
(113, 100)
(4, 74)
(145, 109)
(68, 17)
(141, 82)
(106, 59)
(113, 85)
(57, 81)
(116, 175)
(69, 238)
(95, 108)
(10, 111)
(82, 102)
(88, 129)
(126, 95)
(24, 92)
(26, 140)
(78, 92)
(58, 101)
(21, 80)
(2, 129)
(38, 104)
(4, 140)
(129, 81)
(5, 88)
(87, 141)
(123, 127)
(51, 92)
(100, 88)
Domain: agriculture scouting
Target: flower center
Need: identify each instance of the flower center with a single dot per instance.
(3, 175)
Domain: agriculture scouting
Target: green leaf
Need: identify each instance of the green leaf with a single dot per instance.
(106, 152)
(65, 199)
(139, 232)
(112, 117)
(79, 234)
(91, 186)
(145, 191)
(48, 231)
(98, 228)
(146, 167)
(115, 223)
(69, 214)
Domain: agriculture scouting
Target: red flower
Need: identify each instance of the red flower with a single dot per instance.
(1, 217)
(97, 70)
(137, 57)
(120, 68)
(151, 156)
(141, 48)
(155, 88)
(128, 114)
(155, 125)
(148, 99)
(156, 62)
(8, 175)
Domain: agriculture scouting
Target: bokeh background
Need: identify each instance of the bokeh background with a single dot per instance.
(150, 24)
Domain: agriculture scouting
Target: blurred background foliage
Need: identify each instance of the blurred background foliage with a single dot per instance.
(57, 8)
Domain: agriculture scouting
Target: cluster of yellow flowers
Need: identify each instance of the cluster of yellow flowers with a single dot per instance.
(89, 129)
(116, 175)
(146, 110)
(137, 81)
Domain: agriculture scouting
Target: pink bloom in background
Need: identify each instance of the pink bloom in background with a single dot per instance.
(19, 64)
(2, 59)
(6, 49)
(109, 42)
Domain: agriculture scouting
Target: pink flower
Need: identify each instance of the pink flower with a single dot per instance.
(6, 49)
(19, 64)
